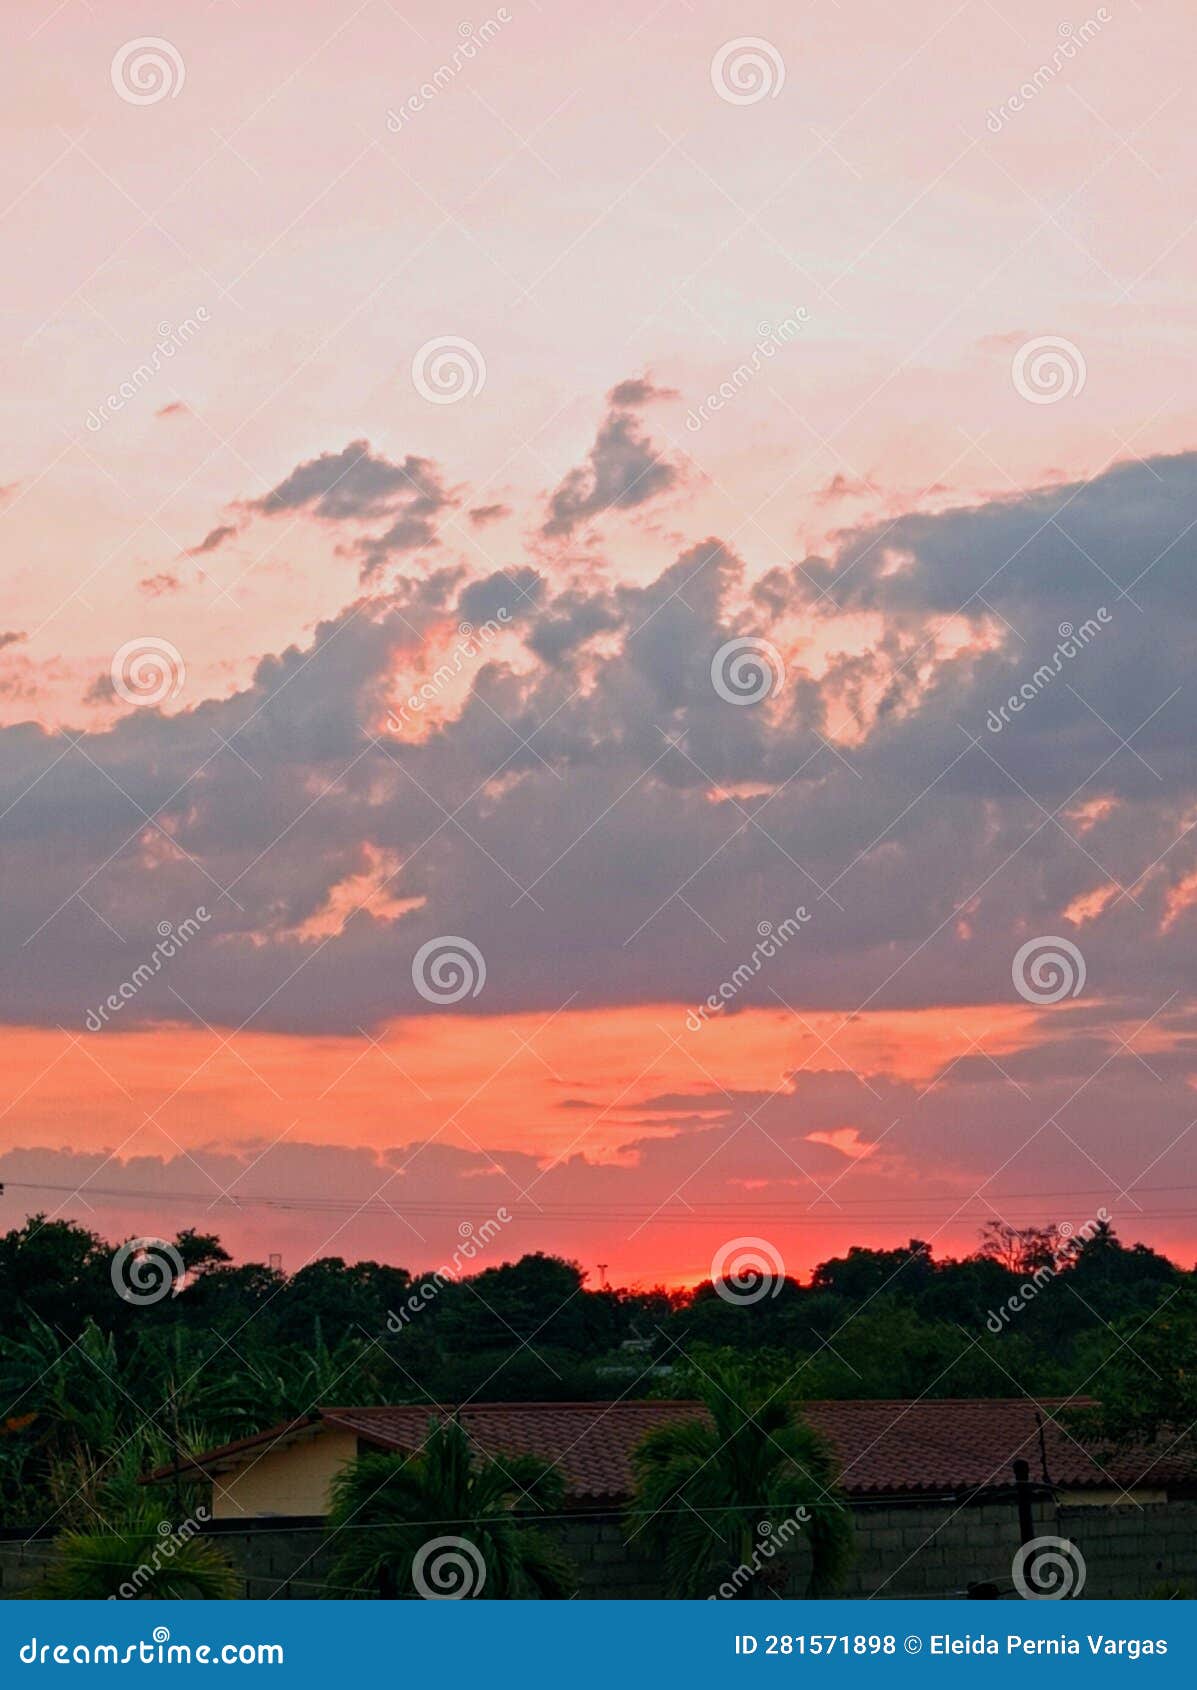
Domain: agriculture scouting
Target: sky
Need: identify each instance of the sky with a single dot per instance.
(598, 626)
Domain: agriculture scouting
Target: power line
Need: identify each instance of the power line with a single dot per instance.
(885, 1210)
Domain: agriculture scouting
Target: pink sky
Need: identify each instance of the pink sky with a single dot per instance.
(578, 203)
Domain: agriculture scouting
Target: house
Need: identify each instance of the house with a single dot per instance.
(931, 1483)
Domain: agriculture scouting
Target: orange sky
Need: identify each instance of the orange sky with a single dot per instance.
(398, 1134)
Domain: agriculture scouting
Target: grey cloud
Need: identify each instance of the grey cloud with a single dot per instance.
(574, 618)
(637, 390)
(357, 485)
(516, 593)
(1057, 549)
(212, 540)
(351, 483)
(608, 826)
(624, 469)
(411, 532)
(480, 515)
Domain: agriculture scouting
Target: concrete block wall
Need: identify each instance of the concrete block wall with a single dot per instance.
(1130, 1551)
(920, 1550)
(934, 1549)
(21, 1566)
(279, 1563)
(607, 1563)
(937, 1549)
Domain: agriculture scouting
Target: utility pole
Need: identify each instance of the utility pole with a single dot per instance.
(1022, 1494)
(602, 1267)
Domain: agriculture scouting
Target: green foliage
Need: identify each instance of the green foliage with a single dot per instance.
(710, 1495)
(116, 1539)
(97, 1386)
(1148, 1387)
(387, 1509)
(137, 1562)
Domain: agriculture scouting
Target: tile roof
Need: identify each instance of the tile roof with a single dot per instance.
(885, 1448)
(960, 1444)
(592, 1442)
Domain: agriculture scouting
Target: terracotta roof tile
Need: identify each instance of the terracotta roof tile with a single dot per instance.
(591, 1442)
(884, 1448)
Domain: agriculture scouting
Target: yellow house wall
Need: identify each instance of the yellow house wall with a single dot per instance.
(294, 1479)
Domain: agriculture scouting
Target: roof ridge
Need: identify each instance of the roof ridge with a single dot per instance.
(693, 1402)
(507, 1407)
(884, 1446)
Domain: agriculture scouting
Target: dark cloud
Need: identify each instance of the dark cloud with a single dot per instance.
(604, 825)
(413, 531)
(101, 690)
(356, 485)
(581, 803)
(482, 514)
(1062, 548)
(353, 484)
(214, 538)
(11, 638)
(624, 469)
(575, 617)
(637, 390)
(513, 594)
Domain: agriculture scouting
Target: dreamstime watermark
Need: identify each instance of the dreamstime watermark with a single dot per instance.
(145, 1270)
(472, 40)
(471, 643)
(1072, 39)
(1072, 642)
(1070, 1240)
(146, 70)
(172, 337)
(448, 1569)
(747, 70)
(1048, 1569)
(772, 938)
(773, 1541)
(447, 369)
(473, 1241)
(1048, 969)
(171, 940)
(160, 1652)
(164, 1553)
(448, 968)
(147, 671)
(747, 1270)
(770, 341)
(1048, 369)
(747, 670)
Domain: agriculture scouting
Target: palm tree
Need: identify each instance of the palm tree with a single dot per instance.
(137, 1560)
(713, 1496)
(442, 1523)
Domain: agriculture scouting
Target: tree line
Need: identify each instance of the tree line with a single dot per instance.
(95, 1387)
